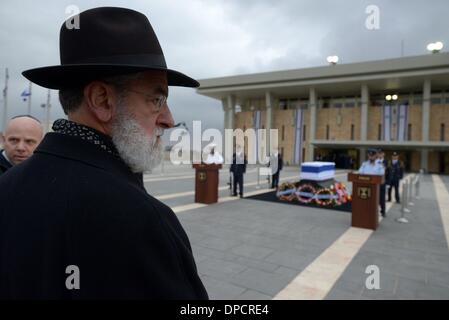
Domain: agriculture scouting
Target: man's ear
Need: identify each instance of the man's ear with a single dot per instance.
(2, 139)
(101, 100)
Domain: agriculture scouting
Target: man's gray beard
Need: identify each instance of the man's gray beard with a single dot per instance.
(138, 150)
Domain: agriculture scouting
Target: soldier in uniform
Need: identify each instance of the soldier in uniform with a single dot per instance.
(395, 172)
(371, 166)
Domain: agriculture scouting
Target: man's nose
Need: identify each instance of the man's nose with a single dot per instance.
(165, 119)
(21, 146)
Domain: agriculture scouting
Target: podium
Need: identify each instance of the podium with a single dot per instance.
(365, 200)
(206, 182)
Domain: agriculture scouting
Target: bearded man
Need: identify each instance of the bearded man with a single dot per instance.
(88, 229)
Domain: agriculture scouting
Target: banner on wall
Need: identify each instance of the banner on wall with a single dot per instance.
(386, 122)
(298, 136)
(402, 122)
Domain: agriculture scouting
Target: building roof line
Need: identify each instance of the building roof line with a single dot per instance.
(369, 68)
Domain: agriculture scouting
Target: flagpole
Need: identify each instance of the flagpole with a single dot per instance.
(29, 100)
(47, 129)
(5, 101)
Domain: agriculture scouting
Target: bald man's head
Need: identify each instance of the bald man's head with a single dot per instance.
(22, 135)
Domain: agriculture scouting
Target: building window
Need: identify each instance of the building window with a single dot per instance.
(283, 133)
(303, 154)
(282, 151)
(379, 132)
(417, 100)
(409, 132)
(436, 100)
(442, 132)
(349, 104)
(304, 131)
(303, 104)
(283, 104)
(338, 105)
(327, 132)
(352, 132)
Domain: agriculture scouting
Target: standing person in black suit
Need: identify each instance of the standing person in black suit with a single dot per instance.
(87, 214)
(279, 164)
(382, 189)
(395, 172)
(238, 169)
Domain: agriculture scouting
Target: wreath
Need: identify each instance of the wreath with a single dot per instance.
(286, 187)
(324, 202)
(308, 189)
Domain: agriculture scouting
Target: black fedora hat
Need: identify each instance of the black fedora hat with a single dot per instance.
(109, 41)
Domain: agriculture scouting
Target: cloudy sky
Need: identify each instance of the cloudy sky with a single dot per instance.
(218, 38)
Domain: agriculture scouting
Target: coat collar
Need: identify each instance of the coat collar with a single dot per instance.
(74, 148)
(4, 163)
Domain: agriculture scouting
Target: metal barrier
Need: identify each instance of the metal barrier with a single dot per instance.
(404, 202)
(410, 190)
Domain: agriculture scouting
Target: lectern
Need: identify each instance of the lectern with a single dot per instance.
(206, 182)
(365, 199)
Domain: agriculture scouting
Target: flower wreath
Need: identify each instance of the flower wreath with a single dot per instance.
(324, 202)
(305, 188)
(284, 187)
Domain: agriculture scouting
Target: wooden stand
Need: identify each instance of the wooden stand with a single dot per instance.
(365, 200)
(206, 182)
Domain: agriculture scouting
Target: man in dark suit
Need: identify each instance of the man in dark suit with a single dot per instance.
(88, 229)
(238, 169)
(278, 162)
(395, 172)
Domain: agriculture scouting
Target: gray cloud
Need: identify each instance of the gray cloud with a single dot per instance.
(217, 38)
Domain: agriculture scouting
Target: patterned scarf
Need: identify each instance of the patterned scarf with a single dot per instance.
(74, 129)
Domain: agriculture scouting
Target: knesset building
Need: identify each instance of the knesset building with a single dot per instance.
(337, 112)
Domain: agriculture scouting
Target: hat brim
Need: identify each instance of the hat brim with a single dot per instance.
(70, 76)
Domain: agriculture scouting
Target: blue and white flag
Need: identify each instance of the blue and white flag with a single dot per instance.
(386, 122)
(298, 136)
(25, 94)
(402, 122)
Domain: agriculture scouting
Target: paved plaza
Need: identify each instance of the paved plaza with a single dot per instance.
(250, 249)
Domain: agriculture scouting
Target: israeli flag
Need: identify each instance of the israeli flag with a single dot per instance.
(25, 94)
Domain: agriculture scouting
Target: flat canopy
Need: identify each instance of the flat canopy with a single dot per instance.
(405, 74)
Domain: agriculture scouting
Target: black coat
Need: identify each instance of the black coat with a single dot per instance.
(4, 164)
(238, 166)
(72, 203)
(280, 163)
(394, 172)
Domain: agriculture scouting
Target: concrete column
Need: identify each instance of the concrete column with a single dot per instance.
(269, 100)
(362, 156)
(364, 112)
(424, 159)
(426, 110)
(312, 126)
(231, 111)
(426, 99)
(224, 103)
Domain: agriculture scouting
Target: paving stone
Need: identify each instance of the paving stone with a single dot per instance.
(253, 295)
(261, 281)
(251, 251)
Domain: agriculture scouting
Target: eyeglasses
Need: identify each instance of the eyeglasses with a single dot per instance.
(158, 100)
